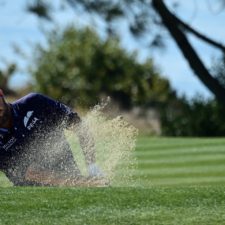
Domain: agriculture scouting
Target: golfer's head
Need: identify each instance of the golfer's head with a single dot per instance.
(2, 100)
(3, 108)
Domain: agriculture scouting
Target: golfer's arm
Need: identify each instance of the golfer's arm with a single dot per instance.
(86, 142)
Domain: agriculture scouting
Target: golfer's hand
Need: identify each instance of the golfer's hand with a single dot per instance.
(95, 171)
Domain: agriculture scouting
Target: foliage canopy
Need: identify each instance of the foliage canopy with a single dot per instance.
(80, 68)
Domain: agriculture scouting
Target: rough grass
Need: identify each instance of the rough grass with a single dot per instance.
(183, 205)
(178, 181)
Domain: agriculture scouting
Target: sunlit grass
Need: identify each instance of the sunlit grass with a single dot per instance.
(161, 205)
(177, 181)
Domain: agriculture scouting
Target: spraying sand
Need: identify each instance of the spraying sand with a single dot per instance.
(115, 141)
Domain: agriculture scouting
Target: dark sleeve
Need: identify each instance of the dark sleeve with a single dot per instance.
(57, 109)
(1, 158)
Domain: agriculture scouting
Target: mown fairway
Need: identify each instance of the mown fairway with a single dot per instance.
(178, 181)
(181, 161)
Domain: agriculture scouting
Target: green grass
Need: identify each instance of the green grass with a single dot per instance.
(182, 161)
(113, 206)
(179, 181)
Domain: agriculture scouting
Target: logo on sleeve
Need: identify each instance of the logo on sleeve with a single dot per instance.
(27, 117)
(10, 143)
(28, 122)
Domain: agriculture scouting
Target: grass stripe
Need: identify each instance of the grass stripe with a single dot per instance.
(180, 152)
(215, 180)
(183, 169)
(182, 159)
(176, 164)
(179, 142)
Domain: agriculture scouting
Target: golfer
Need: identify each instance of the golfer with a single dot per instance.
(33, 148)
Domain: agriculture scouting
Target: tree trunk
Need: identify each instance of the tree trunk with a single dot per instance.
(188, 51)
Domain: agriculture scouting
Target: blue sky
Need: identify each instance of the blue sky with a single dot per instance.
(21, 29)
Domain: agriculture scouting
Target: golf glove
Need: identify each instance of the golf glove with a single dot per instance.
(94, 171)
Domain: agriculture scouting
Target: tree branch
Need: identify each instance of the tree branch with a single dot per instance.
(188, 51)
(198, 34)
